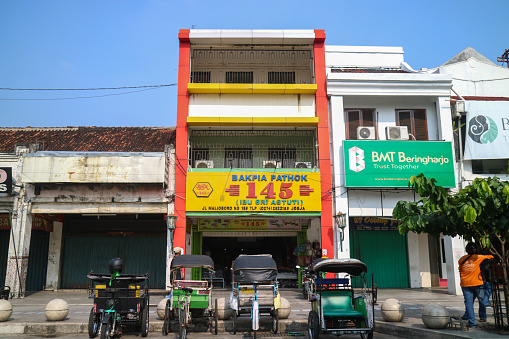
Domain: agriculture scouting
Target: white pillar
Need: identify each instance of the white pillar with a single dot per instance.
(54, 257)
(413, 260)
(19, 247)
(454, 249)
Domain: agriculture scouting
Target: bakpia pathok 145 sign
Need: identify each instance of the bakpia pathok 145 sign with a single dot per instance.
(391, 163)
(281, 192)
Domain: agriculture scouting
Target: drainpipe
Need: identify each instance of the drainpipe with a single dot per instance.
(458, 116)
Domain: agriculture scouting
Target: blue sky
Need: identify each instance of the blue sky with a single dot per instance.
(90, 44)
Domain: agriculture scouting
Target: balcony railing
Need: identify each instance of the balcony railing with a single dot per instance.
(253, 149)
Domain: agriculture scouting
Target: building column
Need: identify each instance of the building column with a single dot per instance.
(19, 247)
(54, 257)
(454, 249)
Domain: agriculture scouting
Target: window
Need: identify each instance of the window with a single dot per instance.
(415, 121)
(239, 77)
(281, 77)
(238, 158)
(490, 166)
(200, 77)
(285, 156)
(358, 117)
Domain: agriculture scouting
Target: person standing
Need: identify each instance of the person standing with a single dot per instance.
(471, 283)
(177, 274)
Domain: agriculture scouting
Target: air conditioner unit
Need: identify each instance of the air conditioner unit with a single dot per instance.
(302, 164)
(460, 106)
(272, 164)
(204, 164)
(366, 133)
(396, 132)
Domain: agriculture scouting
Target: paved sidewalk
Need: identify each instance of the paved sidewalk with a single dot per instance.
(28, 314)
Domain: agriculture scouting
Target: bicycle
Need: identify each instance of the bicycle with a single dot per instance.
(184, 314)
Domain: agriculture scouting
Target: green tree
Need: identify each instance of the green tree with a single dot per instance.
(479, 212)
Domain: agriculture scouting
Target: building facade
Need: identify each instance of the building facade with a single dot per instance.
(81, 196)
(388, 122)
(253, 157)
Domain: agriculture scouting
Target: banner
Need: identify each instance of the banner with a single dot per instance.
(487, 130)
(372, 163)
(375, 224)
(283, 192)
(248, 225)
(5, 180)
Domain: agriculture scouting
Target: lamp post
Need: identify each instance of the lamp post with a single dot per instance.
(171, 224)
(341, 222)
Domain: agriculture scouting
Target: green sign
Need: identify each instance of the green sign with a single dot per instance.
(370, 163)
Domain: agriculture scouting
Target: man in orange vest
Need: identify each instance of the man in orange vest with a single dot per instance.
(471, 283)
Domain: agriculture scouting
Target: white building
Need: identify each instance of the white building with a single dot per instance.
(388, 122)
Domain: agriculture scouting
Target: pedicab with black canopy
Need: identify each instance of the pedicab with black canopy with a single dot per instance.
(336, 308)
(190, 299)
(255, 289)
(120, 301)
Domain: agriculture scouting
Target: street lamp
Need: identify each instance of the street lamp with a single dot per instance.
(341, 222)
(171, 224)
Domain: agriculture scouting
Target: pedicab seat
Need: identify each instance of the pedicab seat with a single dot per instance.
(338, 303)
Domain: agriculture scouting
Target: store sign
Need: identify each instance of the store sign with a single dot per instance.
(390, 163)
(375, 224)
(253, 192)
(5, 179)
(487, 130)
(228, 225)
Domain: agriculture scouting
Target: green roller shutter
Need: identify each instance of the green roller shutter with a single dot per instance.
(37, 261)
(140, 254)
(196, 248)
(385, 254)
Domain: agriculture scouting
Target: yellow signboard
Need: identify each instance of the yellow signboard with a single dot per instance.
(253, 192)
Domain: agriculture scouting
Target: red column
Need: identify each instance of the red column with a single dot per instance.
(322, 112)
(182, 138)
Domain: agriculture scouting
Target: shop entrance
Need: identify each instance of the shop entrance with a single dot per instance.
(224, 250)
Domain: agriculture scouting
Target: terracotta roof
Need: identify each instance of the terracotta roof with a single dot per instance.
(367, 70)
(89, 139)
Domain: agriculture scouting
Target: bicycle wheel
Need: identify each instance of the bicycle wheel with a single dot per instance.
(106, 329)
(144, 322)
(313, 325)
(182, 324)
(216, 317)
(94, 322)
(234, 322)
(275, 321)
(166, 323)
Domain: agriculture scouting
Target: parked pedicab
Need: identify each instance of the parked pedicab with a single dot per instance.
(120, 301)
(255, 290)
(336, 309)
(190, 299)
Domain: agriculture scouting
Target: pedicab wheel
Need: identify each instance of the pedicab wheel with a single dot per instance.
(368, 335)
(216, 317)
(182, 324)
(275, 321)
(93, 324)
(144, 322)
(235, 322)
(313, 325)
(167, 318)
(106, 329)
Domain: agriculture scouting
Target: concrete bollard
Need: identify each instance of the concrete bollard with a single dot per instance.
(5, 310)
(435, 316)
(392, 310)
(161, 308)
(57, 310)
(224, 311)
(285, 309)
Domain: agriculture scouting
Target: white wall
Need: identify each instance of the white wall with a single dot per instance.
(249, 105)
(363, 56)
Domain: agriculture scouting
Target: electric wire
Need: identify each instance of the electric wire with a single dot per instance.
(72, 98)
